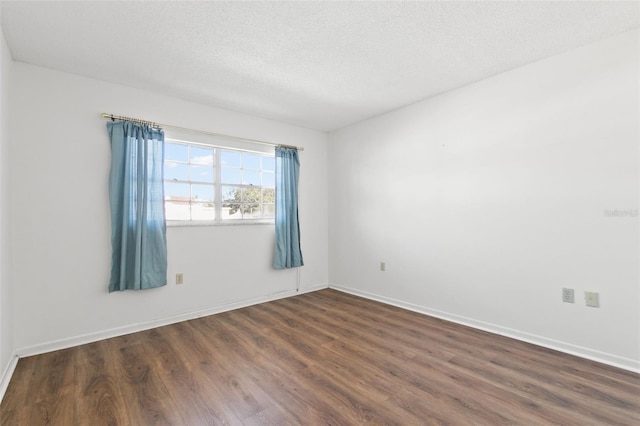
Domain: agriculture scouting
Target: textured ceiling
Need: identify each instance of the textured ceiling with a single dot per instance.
(322, 65)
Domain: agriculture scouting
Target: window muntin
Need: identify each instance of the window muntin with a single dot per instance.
(217, 185)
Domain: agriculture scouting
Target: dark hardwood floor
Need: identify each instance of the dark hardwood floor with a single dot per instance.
(318, 358)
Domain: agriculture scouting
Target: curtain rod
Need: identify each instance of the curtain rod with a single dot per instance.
(154, 124)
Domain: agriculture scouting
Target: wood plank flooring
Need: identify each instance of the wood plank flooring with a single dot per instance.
(319, 358)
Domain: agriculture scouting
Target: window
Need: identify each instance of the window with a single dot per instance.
(207, 184)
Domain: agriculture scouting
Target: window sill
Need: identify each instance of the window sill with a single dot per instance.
(183, 224)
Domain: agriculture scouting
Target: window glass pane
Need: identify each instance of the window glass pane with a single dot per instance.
(268, 195)
(268, 163)
(176, 210)
(253, 213)
(251, 195)
(175, 171)
(230, 158)
(231, 202)
(269, 210)
(268, 179)
(175, 152)
(230, 213)
(176, 191)
(251, 177)
(231, 194)
(250, 161)
(251, 202)
(202, 193)
(201, 156)
(231, 175)
(203, 211)
(201, 173)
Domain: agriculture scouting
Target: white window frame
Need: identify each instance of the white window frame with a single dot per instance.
(218, 184)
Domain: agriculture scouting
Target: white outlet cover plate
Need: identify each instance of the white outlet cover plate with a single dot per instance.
(567, 295)
(592, 299)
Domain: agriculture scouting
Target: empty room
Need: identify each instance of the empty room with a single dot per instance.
(319, 213)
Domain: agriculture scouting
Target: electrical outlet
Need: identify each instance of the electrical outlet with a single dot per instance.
(179, 278)
(567, 295)
(592, 299)
(383, 266)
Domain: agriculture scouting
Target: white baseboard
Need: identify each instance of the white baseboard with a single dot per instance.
(7, 374)
(133, 328)
(592, 354)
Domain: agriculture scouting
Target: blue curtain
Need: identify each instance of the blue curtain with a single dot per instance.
(288, 253)
(136, 194)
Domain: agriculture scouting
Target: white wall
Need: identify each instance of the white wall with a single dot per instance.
(7, 338)
(486, 201)
(60, 165)
(7, 342)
